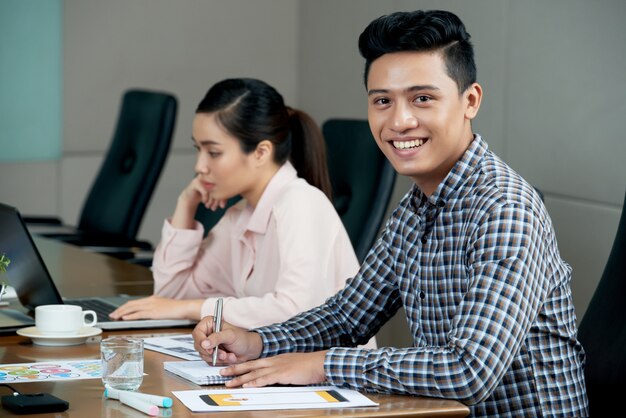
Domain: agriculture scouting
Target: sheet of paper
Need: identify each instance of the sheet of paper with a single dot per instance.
(180, 346)
(279, 397)
(50, 371)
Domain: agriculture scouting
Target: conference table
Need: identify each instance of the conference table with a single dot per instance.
(80, 273)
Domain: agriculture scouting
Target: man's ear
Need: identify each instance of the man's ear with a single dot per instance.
(264, 152)
(473, 96)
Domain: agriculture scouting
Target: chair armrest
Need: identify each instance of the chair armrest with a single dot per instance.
(131, 254)
(104, 241)
(47, 220)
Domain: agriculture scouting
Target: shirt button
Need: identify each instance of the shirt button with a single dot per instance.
(422, 295)
(424, 240)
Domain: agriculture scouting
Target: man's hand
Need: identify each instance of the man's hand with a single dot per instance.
(284, 369)
(235, 344)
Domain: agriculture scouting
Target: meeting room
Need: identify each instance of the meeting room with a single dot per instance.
(361, 208)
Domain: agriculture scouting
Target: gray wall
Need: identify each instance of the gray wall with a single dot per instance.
(552, 73)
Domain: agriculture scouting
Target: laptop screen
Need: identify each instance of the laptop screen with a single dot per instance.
(33, 284)
(27, 272)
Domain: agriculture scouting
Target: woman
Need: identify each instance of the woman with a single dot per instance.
(282, 249)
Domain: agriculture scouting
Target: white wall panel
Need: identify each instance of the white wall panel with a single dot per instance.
(565, 99)
(32, 187)
(585, 231)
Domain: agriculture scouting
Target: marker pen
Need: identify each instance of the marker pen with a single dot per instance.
(162, 401)
(139, 404)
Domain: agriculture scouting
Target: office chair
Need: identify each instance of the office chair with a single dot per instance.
(115, 205)
(362, 180)
(209, 218)
(602, 332)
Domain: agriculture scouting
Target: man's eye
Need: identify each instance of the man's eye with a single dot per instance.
(214, 154)
(422, 99)
(381, 101)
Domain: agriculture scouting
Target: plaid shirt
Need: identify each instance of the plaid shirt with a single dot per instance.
(487, 298)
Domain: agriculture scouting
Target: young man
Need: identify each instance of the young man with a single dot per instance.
(470, 253)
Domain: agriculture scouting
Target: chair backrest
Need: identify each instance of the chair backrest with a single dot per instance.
(124, 185)
(362, 179)
(208, 218)
(602, 332)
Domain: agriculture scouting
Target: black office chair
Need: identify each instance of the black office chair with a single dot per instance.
(209, 218)
(362, 179)
(116, 203)
(602, 332)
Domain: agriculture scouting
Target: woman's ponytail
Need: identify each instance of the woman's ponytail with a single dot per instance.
(308, 151)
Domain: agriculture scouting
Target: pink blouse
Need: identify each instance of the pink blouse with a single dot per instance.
(269, 263)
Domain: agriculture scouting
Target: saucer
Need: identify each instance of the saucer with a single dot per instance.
(59, 340)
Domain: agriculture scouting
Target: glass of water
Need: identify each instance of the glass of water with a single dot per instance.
(122, 362)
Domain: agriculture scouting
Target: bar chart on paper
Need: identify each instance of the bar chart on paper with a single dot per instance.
(307, 397)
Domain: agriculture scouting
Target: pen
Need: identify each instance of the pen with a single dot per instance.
(162, 401)
(217, 324)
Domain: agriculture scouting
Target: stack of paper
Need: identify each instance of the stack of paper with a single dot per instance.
(174, 345)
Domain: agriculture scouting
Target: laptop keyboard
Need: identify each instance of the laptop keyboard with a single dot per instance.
(102, 308)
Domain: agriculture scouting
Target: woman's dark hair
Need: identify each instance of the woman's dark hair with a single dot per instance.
(432, 30)
(252, 111)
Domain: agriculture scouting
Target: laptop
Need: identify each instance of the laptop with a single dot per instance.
(34, 286)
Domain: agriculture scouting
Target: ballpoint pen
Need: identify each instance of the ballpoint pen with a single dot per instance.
(217, 324)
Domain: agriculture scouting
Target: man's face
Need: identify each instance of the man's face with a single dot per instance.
(417, 116)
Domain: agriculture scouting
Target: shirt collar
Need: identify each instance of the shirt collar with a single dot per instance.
(259, 217)
(461, 171)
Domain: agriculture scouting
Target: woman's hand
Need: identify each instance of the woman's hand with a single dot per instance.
(194, 194)
(157, 307)
(283, 369)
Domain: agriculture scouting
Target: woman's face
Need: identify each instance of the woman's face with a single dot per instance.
(222, 167)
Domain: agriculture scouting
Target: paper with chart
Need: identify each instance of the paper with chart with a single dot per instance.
(50, 371)
(277, 397)
(180, 346)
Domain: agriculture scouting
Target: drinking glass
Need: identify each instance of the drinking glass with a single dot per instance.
(122, 362)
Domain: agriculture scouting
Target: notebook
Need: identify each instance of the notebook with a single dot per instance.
(34, 286)
(197, 371)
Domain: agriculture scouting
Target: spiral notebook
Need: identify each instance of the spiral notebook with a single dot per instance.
(196, 371)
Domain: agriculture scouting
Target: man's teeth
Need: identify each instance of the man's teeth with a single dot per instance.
(408, 144)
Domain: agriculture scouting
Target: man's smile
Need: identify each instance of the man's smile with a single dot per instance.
(414, 143)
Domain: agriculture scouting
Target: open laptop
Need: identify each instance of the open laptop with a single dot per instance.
(34, 286)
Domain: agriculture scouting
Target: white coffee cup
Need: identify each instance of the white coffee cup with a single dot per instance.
(62, 319)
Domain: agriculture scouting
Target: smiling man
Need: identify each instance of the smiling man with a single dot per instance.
(470, 253)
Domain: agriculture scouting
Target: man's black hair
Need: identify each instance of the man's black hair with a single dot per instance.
(430, 31)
